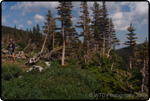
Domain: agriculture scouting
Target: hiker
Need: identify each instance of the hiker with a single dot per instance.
(10, 49)
(2, 43)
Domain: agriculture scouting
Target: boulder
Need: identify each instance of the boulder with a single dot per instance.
(4, 51)
(20, 55)
(34, 67)
(35, 59)
(27, 56)
(20, 77)
(6, 56)
(48, 64)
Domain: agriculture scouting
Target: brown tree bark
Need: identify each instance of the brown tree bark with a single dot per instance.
(143, 79)
(103, 43)
(53, 39)
(45, 38)
(112, 65)
(63, 50)
(130, 62)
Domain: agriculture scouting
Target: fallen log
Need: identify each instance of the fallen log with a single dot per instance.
(39, 67)
(49, 54)
(20, 55)
(33, 49)
(34, 60)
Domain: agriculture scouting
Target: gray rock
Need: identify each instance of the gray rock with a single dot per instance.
(4, 51)
(20, 77)
(34, 67)
(47, 63)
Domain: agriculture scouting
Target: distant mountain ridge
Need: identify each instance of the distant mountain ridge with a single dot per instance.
(6, 29)
(123, 51)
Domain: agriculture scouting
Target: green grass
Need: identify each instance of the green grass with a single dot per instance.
(52, 83)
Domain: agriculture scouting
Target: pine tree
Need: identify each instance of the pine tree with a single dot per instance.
(144, 64)
(104, 28)
(37, 28)
(53, 27)
(27, 35)
(84, 24)
(47, 26)
(30, 31)
(131, 43)
(97, 12)
(113, 41)
(64, 10)
(34, 35)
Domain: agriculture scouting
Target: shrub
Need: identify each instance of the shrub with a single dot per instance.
(7, 75)
(11, 71)
(22, 44)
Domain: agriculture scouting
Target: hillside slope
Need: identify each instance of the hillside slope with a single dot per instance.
(123, 51)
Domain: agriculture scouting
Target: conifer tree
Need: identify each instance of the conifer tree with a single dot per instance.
(104, 27)
(53, 26)
(84, 24)
(113, 40)
(144, 64)
(131, 43)
(47, 26)
(64, 10)
(37, 28)
(97, 12)
(27, 35)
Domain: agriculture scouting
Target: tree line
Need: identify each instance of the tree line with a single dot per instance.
(97, 51)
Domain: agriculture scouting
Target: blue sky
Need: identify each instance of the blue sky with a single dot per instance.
(27, 14)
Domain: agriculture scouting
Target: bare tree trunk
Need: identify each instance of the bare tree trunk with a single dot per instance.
(53, 39)
(112, 65)
(103, 43)
(45, 38)
(33, 49)
(63, 50)
(84, 57)
(88, 52)
(96, 47)
(26, 47)
(84, 37)
(108, 52)
(130, 62)
(143, 79)
(100, 53)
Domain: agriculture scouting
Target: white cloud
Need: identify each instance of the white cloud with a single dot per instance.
(76, 5)
(15, 21)
(3, 5)
(74, 19)
(3, 19)
(138, 15)
(20, 26)
(38, 18)
(145, 21)
(113, 7)
(117, 15)
(124, 3)
(29, 22)
(34, 6)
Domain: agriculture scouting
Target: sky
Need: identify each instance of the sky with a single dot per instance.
(27, 14)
